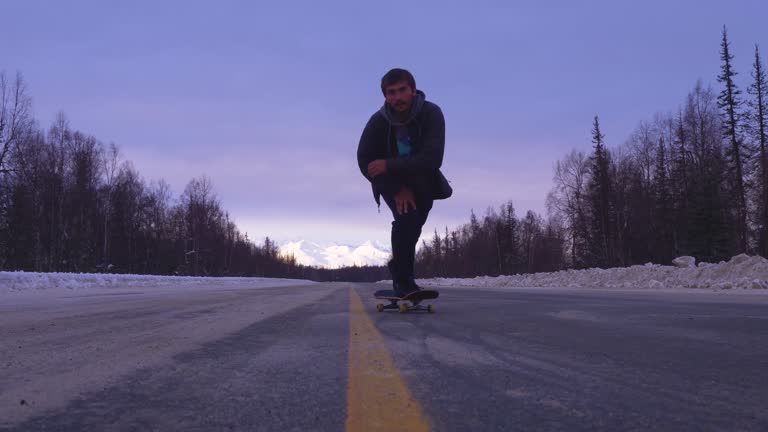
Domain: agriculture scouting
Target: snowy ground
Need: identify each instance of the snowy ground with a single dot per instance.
(52, 283)
(742, 272)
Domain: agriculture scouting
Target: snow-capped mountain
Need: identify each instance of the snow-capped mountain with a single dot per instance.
(335, 255)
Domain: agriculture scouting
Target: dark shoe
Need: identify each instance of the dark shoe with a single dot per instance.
(407, 288)
(401, 289)
(411, 286)
(414, 286)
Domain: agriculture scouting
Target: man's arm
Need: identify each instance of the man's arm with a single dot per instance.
(430, 157)
(366, 153)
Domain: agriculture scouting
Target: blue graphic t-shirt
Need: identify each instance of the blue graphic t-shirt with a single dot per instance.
(404, 146)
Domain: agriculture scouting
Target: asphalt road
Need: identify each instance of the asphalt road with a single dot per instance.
(320, 357)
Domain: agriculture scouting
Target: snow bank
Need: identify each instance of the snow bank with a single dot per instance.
(23, 281)
(741, 272)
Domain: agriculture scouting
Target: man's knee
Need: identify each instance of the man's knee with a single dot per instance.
(411, 216)
(410, 221)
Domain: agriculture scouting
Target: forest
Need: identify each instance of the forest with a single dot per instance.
(692, 181)
(689, 182)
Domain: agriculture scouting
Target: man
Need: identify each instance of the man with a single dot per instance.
(400, 153)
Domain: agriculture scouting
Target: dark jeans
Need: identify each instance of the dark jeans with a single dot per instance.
(406, 230)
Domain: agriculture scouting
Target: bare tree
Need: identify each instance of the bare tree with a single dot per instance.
(568, 199)
(15, 126)
(203, 216)
(530, 233)
(111, 162)
(59, 137)
(15, 115)
(82, 201)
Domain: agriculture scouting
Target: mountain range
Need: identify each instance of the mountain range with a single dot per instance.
(337, 255)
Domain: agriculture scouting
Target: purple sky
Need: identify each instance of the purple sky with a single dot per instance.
(269, 101)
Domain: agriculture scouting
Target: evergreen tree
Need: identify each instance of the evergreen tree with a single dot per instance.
(511, 252)
(602, 217)
(680, 186)
(758, 113)
(709, 231)
(729, 101)
(437, 246)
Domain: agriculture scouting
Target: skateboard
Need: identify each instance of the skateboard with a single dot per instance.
(415, 298)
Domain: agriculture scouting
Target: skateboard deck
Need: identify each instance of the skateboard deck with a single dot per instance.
(414, 298)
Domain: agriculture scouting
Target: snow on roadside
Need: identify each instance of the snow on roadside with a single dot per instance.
(26, 282)
(741, 272)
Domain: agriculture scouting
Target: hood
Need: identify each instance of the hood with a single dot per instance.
(416, 105)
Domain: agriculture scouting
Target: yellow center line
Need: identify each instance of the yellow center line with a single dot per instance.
(377, 396)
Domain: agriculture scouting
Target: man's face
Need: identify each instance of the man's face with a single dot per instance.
(399, 96)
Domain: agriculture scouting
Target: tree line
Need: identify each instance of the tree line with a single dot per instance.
(70, 203)
(691, 182)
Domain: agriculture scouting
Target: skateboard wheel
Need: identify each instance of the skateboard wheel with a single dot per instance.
(403, 308)
(379, 307)
(431, 309)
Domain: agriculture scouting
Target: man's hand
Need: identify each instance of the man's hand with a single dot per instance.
(403, 199)
(379, 166)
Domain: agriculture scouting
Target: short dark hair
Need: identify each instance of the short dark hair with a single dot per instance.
(395, 76)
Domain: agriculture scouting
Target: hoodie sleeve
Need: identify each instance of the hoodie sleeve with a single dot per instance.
(430, 157)
(370, 141)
